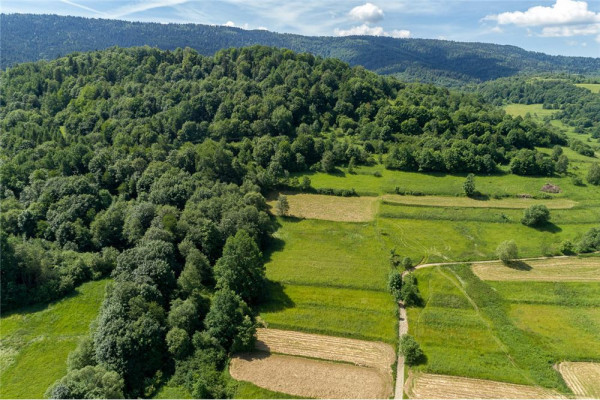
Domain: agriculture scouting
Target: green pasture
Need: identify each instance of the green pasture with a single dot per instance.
(498, 185)
(330, 278)
(36, 340)
(535, 110)
(592, 87)
(508, 331)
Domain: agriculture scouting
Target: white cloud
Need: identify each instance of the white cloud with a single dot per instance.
(563, 12)
(366, 30)
(565, 18)
(567, 31)
(230, 24)
(368, 12)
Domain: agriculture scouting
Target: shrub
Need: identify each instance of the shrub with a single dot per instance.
(537, 214)
(590, 241)
(410, 349)
(469, 185)
(407, 263)
(593, 176)
(567, 247)
(507, 251)
(283, 206)
(410, 292)
(395, 284)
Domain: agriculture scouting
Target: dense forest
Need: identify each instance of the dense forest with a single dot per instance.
(578, 107)
(151, 167)
(33, 37)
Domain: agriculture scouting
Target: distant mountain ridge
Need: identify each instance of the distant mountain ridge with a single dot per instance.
(30, 37)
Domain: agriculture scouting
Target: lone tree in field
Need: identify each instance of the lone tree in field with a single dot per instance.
(282, 207)
(469, 185)
(593, 176)
(410, 349)
(507, 251)
(535, 215)
(395, 284)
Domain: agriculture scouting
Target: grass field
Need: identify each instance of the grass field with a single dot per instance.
(36, 340)
(509, 331)
(592, 87)
(502, 184)
(330, 278)
(535, 110)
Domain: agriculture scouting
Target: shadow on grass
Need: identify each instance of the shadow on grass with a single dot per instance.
(519, 265)
(37, 307)
(548, 227)
(274, 298)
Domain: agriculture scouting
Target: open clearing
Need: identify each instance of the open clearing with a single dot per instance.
(377, 355)
(555, 270)
(330, 208)
(431, 386)
(583, 378)
(447, 201)
(36, 340)
(592, 87)
(307, 377)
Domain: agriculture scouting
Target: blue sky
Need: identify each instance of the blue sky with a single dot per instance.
(565, 27)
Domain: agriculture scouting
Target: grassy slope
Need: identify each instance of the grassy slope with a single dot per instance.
(36, 340)
(330, 277)
(536, 324)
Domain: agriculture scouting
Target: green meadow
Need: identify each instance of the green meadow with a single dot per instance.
(592, 87)
(330, 278)
(508, 331)
(36, 340)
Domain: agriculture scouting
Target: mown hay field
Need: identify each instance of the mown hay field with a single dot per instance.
(431, 386)
(377, 355)
(330, 208)
(37, 340)
(554, 270)
(447, 201)
(582, 377)
(308, 377)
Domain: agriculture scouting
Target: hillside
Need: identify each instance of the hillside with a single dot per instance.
(27, 37)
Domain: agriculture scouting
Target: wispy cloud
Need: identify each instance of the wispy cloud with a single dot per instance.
(71, 3)
(144, 6)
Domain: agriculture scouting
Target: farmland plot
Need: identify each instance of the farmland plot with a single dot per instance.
(583, 378)
(432, 386)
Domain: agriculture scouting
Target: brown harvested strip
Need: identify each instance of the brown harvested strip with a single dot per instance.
(432, 386)
(567, 269)
(330, 208)
(360, 352)
(309, 378)
(583, 378)
(441, 201)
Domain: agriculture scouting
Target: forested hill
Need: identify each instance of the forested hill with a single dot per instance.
(27, 37)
